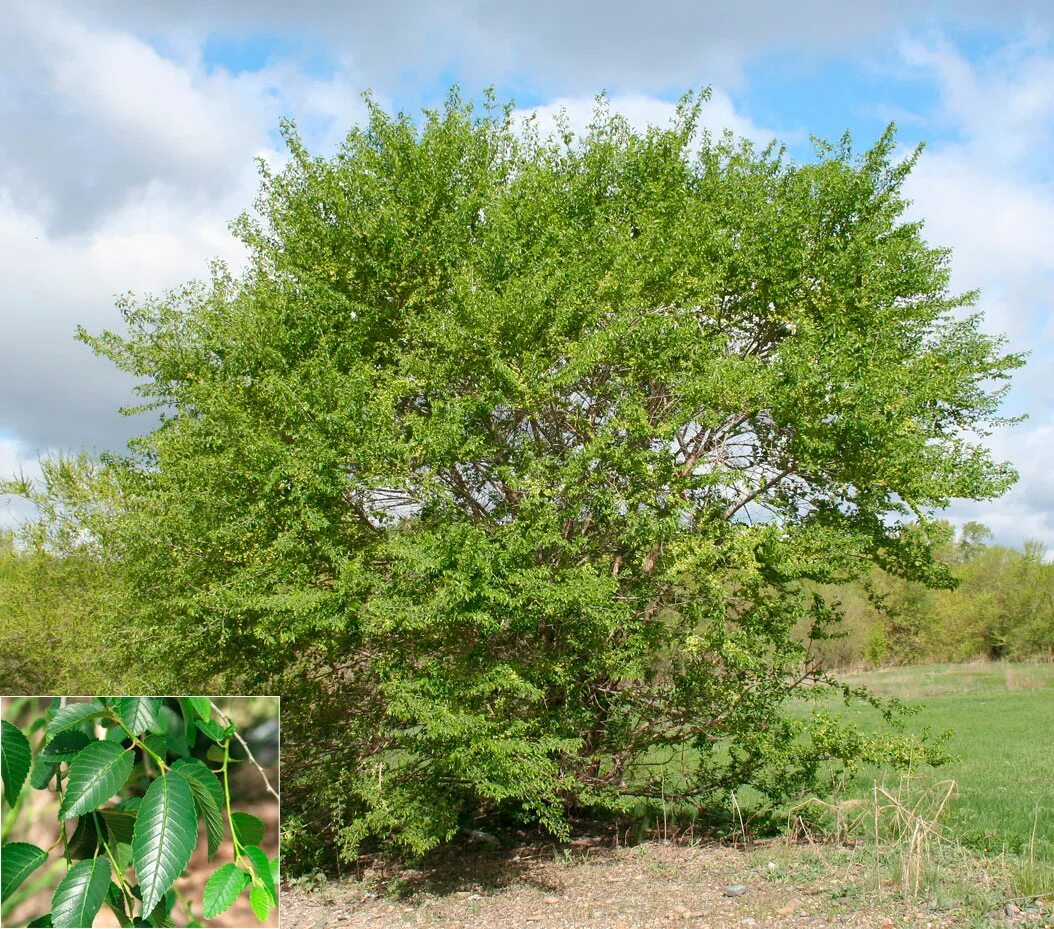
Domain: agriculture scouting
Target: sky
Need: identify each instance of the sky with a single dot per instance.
(131, 132)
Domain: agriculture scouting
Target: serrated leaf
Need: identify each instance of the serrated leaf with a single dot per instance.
(249, 828)
(95, 775)
(261, 868)
(208, 795)
(17, 861)
(166, 830)
(80, 893)
(71, 716)
(215, 753)
(130, 804)
(120, 825)
(15, 760)
(275, 870)
(260, 900)
(65, 746)
(140, 714)
(222, 889)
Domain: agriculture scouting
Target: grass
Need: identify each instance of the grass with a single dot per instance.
(1002, 722)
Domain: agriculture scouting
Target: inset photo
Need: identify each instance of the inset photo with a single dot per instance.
(139, 811)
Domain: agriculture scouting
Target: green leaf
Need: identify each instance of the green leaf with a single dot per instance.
(261, 901)
(65, 746)
(208, 795)
(222, 889)
(158, 744)
(17, 861)
(140, 714)
(172, 726)
(130, 804)
(161, 915)
(15, 759)
(84, 843)
(120, 825)
(202, 707)
(275, 870)
(212, 729)
(166, 830)
(80, 893)
(248, 828)
(119, 828)
(190, 728)
(116, 902)
(215, 753)
(95, 775)
(42, 921)
(261, 868)
(42, 773)
(71, 716)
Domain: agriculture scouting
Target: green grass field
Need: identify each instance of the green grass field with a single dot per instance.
(1002, 717)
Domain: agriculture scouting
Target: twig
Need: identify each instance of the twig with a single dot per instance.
(248, 752)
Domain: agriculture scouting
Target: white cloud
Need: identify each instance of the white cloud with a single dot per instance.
(990, 196)
(1000, 225)
(1027, 511)
(120, 170)
(572, 48)
(642, 110)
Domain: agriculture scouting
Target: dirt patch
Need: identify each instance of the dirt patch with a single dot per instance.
(649, 885)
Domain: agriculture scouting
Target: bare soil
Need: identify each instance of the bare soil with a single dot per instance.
(649, 885)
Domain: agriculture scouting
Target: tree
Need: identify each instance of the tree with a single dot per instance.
(140, 749)
(508, 455)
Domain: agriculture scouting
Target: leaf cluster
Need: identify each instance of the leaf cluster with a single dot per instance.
(127, 853)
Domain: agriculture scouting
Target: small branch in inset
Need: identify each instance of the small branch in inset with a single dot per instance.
(248, 752)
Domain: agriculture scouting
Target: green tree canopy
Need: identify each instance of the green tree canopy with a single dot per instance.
(509, 453)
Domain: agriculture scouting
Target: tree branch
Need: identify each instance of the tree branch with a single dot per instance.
(736, 506)
(248, 752)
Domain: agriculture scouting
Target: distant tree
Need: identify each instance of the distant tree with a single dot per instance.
(973, 538)
(56, 622)
(507, 456)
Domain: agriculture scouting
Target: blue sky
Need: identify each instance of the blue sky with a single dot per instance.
(131, 133)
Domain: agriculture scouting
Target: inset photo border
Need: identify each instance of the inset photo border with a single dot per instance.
(140, 810)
